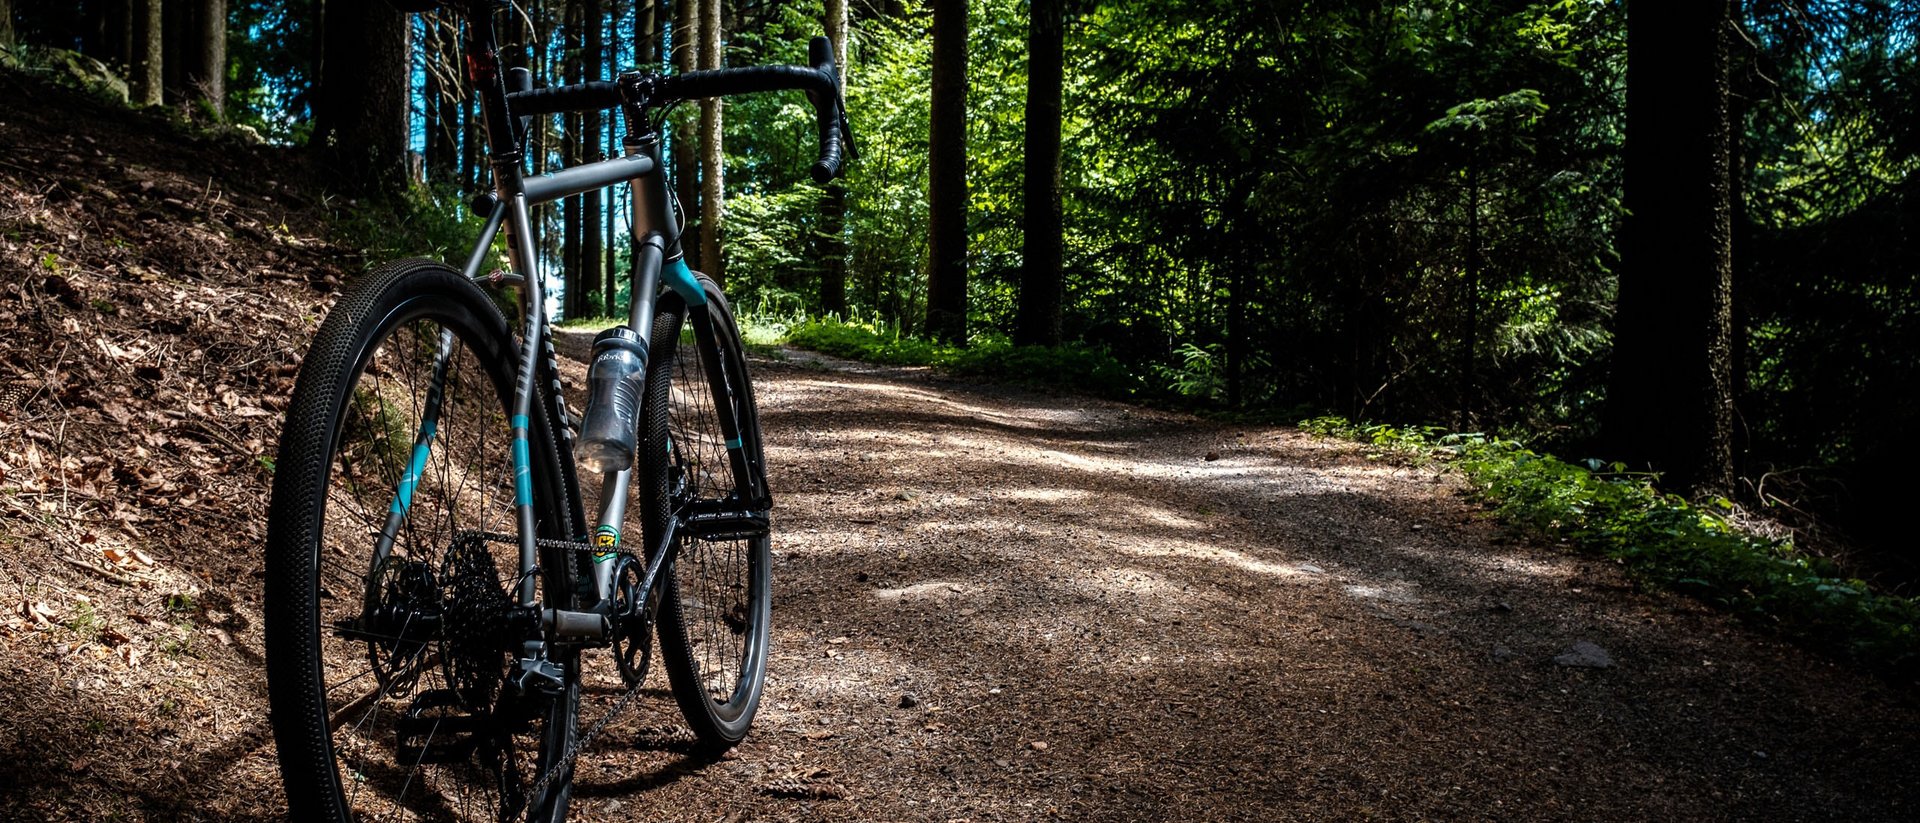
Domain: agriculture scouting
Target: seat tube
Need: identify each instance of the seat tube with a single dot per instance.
(483, 68)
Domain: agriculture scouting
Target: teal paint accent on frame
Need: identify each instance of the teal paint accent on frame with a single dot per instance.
(733, 443)
(403, 499)
(522, 470)
(680, 279)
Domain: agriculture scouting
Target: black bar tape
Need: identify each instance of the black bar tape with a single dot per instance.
(826, 111)
(722, 82)
(599, 94)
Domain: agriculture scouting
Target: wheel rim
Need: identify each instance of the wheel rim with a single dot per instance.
(719, 585)
(377, 670)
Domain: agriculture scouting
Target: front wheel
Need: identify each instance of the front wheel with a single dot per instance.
(717, 597)
(388, 590)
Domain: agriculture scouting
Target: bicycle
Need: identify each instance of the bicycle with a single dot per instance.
(433, 588)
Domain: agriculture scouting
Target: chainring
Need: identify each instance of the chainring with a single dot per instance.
(632, 640)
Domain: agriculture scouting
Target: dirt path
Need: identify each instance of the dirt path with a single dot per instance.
(997, 605)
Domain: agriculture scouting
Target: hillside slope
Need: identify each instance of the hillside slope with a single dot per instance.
(154, 286)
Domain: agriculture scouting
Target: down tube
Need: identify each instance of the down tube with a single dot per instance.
(536, 308)
(422, 447)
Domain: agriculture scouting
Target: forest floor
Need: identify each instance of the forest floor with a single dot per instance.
(992, 604)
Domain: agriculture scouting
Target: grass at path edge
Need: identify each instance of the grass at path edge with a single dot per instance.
(1668, 542)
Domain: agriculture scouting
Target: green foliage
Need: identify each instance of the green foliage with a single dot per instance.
(1666, 541)
(1065, 367)
(85, 621)
(67, 68)
(1417, 442)
(1198, 373)
(424, 221)
(270, 48)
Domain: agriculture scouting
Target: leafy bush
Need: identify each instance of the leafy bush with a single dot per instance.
(1666, 541)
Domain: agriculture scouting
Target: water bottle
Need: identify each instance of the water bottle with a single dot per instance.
(615, 381)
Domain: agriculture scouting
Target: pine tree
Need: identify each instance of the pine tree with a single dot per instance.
(712, 156)
(594, 60)
(1670, 405)
(833, 201)
(1038, 323)
(947, 176)
(149, 43)
(686, 158)
(361, 120)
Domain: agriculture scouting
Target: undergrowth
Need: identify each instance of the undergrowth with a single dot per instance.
(1666, 541)
(423, 221)
(1069, 367)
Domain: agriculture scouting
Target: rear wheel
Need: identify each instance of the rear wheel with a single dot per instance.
(716, 603)
(388, 596)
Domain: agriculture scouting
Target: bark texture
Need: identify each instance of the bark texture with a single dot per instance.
(833, 201)
(209, 80)
(713, 211)
(145, 78)
(361, 124)
(686, 157)
(1671, 400)
(1038, 322)
(947, 176)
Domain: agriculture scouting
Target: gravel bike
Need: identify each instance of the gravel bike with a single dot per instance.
(433, 587)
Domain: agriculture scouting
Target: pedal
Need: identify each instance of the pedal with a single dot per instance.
(435, 729)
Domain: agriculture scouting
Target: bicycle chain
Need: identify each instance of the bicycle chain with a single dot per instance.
(565, 764)
(573, 750)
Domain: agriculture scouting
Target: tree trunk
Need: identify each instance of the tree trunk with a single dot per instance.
(149, 43)
(361, 122)
(1469, 340)
(6, 22)
(947, 176)
(208, 81)
(1670, 404)
(570, 154)
(1041, 284)
(316, 57)
(120, 14)
(177, 18)
(646, 31)
(833, 201)
(712, 173)
(686, 159)
(591, 230)
(443, 97)
(431, 158)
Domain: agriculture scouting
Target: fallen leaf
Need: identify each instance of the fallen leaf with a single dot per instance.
(40, 613)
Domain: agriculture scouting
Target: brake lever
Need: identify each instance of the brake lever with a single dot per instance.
(846, 135)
